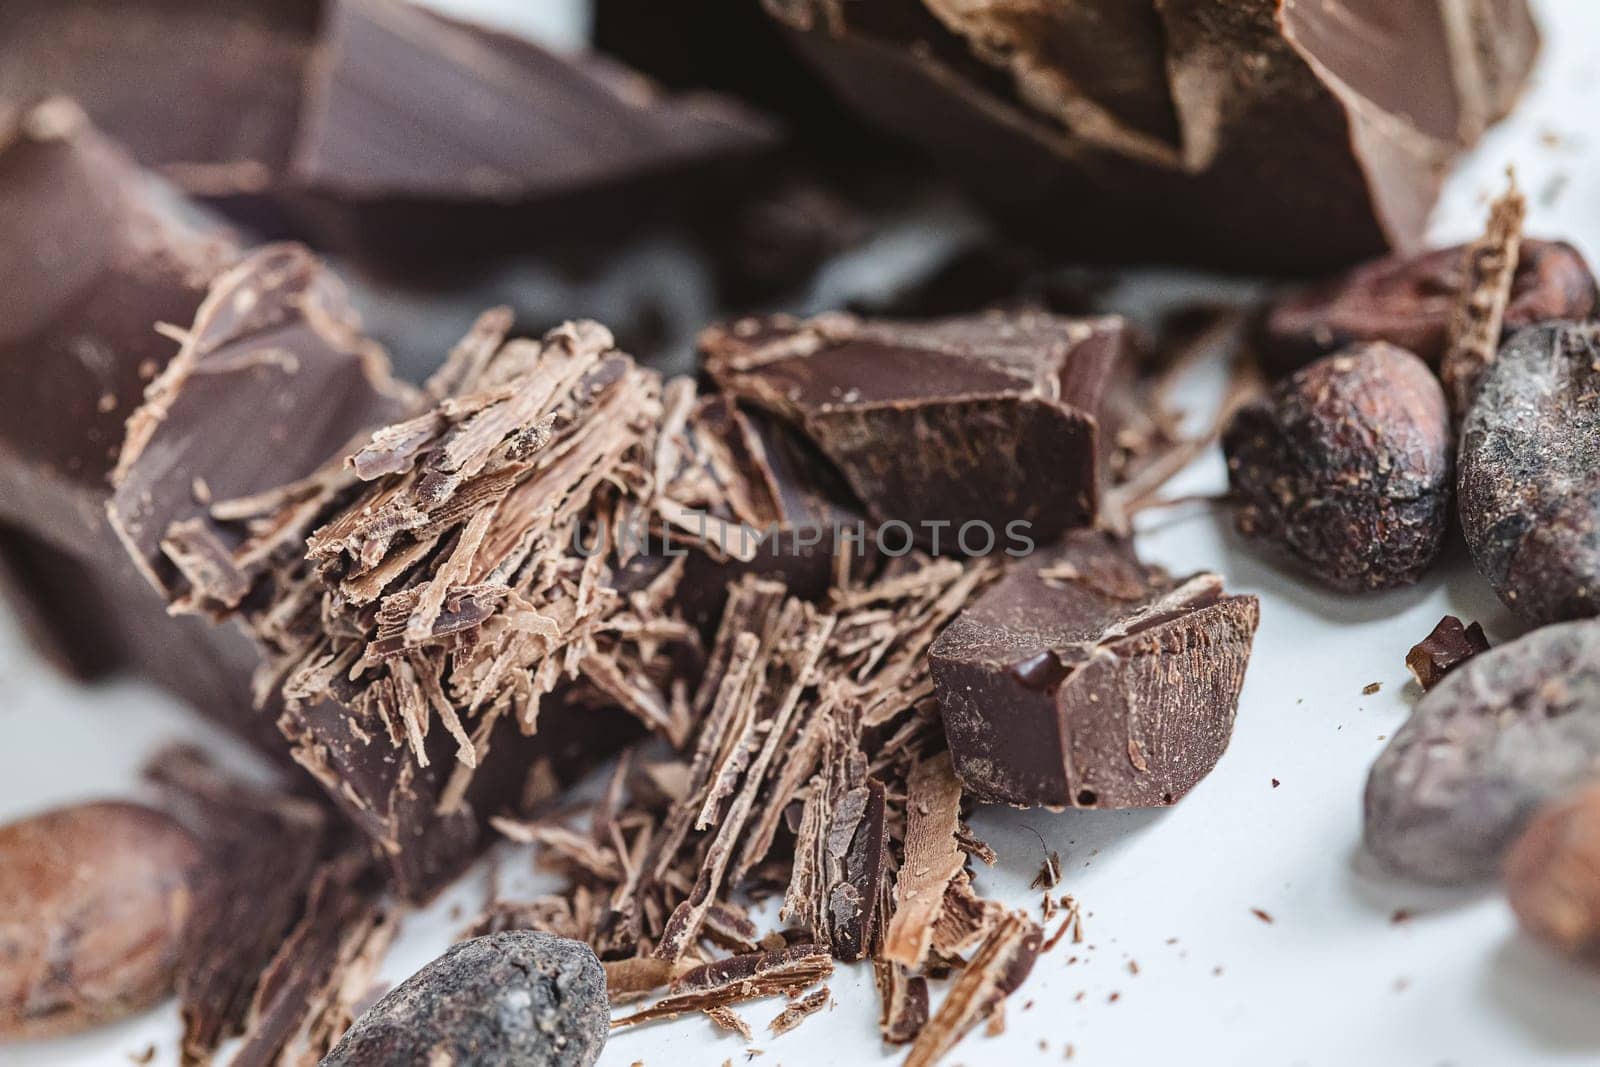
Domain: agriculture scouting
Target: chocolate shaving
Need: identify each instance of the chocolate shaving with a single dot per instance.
(996, 970)
(799, 1011)
(933, 857)
(751, 976)
(1488, 266)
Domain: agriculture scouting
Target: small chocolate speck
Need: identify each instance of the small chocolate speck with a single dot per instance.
(1261, 914)
(1371, 687)
(1401, 915)
(1113, 998)
(1276, 783)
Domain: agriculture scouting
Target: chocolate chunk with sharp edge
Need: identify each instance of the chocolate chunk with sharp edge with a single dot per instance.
(1347, 465)
(994, 419)
(378, 128)
(1086, 679)
(1506, 731)
(93, 256)
(514, 997)
(1449, 646)
(274, 360)
(1244, 133)
(1529, 480)
(1408, 301)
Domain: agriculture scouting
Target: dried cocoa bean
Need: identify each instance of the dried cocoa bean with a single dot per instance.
(1530, 473)
(1552, 874)
(93, 899)
(1503, 733)
(1347, 464)
(515, 997)
(1408, 301)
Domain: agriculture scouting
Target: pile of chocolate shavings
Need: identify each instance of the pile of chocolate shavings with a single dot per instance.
(817, 764)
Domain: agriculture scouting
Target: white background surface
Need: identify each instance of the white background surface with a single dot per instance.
(1330, 981)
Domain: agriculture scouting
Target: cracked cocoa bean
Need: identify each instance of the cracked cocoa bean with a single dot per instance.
(1530, 473)
(1552, 875)
(1408, 300)
(93, 900)
(519, 997)
(1348, 465)
(1504, 732)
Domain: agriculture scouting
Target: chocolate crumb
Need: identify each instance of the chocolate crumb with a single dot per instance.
(1262, 915)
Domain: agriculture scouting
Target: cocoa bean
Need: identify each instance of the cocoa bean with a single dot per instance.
(93, 900)
(1552, 874)
(1500, 735)
(1408, 301)
(1530, 473)
(1347, 465)
(515, 997)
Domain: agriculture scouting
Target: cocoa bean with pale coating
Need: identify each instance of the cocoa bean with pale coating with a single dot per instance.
(1347, 465)
(1503, 733)
(519, 997)
(1530, 473)
(93, 900)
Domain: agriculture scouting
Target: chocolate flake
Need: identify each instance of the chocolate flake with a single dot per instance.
(996, 970)
(1489, 266)
(1448, 646)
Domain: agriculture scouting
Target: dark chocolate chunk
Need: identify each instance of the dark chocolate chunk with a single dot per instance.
(1246, 133)
(1086, 679)
(1529, 478)
(93, 256)
(1408, 300)
(1348, 465)
(515, 997)
(1508, 730)
(1449, 646)
(992, 419)
(383, 129)
(273, 360)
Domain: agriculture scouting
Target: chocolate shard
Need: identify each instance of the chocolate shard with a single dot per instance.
(1257, 134)
(273, 360)
(1408, 301)
(1007, 412)
(1449, 645)
(1086, 679)
(997, 969)
(378, 114)
(93, 255)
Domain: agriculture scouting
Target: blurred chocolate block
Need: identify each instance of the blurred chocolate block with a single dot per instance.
(93, 255)
(377, 128)
(1250, 134)
(994, 419)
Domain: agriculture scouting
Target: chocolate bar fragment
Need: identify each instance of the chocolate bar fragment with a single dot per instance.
(376, 127)
(1086, 679)
(995, 419)
(93, 256)
(1249, 134)
(1408, 301)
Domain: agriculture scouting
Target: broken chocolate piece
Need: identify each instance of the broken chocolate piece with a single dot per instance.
(1348, 465)
(1529, 473)
(94, 254)
(1085, 679)
(1507, 731)
(384, 129)
(1007, 414)
(1408, 301)
(1245, 133)
(1442, 651)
